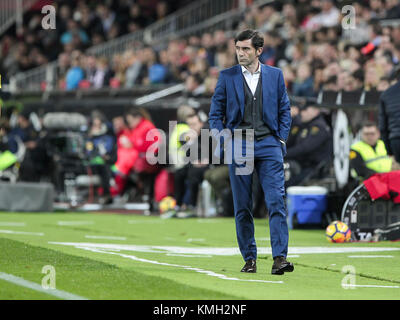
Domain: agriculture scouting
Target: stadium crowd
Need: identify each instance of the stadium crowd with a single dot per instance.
(79, 25)
(306, 39)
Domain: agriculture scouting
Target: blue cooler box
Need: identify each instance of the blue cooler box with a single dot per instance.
(306, 204)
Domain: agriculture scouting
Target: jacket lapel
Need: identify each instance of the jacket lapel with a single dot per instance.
(264, 78)
(238, 81)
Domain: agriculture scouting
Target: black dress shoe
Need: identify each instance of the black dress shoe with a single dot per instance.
(250, 266)
(281, 266)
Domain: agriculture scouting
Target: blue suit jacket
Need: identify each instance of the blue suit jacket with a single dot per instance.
(227, 103)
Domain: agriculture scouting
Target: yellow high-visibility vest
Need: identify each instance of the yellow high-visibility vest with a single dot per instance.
(374, 159)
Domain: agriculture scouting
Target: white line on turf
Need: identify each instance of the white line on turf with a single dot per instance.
(368, 286)
(74, 223)
(34, 286)
(195, 240)
(12, 224)
(105, 237)
(207, 221)
(263, 239)
(223, 251)
(370, 256)
(189, 255)
(145, 221)
(207, 272)
(22, 232)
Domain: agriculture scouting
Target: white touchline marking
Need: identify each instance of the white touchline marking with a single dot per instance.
(207, 272)
(207, 221)
(12, 224)
(74, 223)
(188, 255)
(370, 256)
(22, 232)
(293, 256)
(37, 287)
(223, 251)
(368, 286)
(105, 237)
(145, 221)
(195, 240)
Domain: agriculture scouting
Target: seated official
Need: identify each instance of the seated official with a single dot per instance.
(190, 176)
(133, 145)
(101, 151)
(177, 136)
(369, 156)
(310, 145)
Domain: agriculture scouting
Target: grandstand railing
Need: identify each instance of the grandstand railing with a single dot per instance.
(11, 10)
(161, 31)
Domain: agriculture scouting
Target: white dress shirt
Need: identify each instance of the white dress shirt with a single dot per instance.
(252, 78)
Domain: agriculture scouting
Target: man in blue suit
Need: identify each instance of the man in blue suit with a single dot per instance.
(251, 97)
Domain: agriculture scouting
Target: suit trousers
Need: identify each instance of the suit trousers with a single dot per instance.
(267, 158)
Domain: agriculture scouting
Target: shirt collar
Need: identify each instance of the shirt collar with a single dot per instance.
(244, 70)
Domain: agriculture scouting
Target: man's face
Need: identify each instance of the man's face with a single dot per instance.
(308, 114)
(194, 124)
(246, 53)
(370, 135)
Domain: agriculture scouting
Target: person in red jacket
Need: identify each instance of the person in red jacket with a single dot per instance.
(132, 147)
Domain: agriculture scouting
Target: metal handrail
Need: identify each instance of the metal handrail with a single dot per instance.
(9, 10)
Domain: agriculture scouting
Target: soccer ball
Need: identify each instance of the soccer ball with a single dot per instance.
(338, 231)
(167, 203)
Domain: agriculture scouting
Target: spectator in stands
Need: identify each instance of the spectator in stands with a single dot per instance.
(75, 74)
(392, 9)
(354, 81)
(157, 72)
(103, 74)
(194, 85)
(62, 69)
(73, 33)
(369, 156)
(207, 45)
(329, 15)
(89, 67)
(312, 146)
(107, 17)
(270, 17)
(137, 20)
(90, 23)
(303, 86)
(161, 11)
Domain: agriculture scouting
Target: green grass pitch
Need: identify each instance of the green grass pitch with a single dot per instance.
(109, 256)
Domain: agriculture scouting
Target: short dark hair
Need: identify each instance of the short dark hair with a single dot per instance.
(257, 40)
(369, 124)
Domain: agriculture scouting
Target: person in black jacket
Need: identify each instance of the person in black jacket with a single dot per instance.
(389, 119)
(310, 145)
(190, 176)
